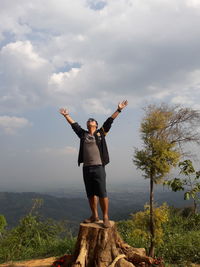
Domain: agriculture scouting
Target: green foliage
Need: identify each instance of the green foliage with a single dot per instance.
(181, 240)
(163, 128)
(126, 229)
(180, 237)
(160, 131)
(35, 237)
(160, 153)
(190, 182)
(141, 222)
(175, 184)
(186, 167)
(136, 231)
(3, 223)
(37, 203)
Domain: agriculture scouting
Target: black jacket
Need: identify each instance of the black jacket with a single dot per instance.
(100, 140)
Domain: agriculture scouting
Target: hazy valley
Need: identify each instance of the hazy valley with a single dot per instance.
(72, 205)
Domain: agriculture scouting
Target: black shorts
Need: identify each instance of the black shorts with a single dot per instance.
(95, 180)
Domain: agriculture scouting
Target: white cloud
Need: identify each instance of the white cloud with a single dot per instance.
(189, 90)
(184, 100)
(10, 125)
(24, 77)
(59, 82)
(193, 3)
(23, 52)
(89, 55)
(139, 49)
(11, 23)
(93, 105)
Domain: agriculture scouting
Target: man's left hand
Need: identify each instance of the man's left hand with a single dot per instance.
(123, 104)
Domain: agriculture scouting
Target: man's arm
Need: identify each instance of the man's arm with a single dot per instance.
(65, 113)
(75, 126)
(107, 124)
(121, 105)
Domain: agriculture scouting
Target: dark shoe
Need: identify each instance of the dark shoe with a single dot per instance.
(106, 223)
(91, 220)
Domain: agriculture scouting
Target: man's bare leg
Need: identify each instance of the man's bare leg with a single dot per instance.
(104, 207)
(93, 201)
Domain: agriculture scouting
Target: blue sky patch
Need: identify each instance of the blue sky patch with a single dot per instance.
(68, 66)
(96, 5)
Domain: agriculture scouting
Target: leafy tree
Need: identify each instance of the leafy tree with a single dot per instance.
(163, 131)
(141, 223)
(3, 224)
(191, 182)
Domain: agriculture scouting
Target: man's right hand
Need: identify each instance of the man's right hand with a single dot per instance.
(64, 111)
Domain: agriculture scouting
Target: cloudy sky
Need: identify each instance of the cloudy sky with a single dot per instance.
(88, 55)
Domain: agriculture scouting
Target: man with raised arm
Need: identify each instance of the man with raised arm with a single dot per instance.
(93, 154)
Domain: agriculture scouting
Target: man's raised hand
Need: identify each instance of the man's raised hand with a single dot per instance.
(120, 106)
(123, 104)
(64, 111)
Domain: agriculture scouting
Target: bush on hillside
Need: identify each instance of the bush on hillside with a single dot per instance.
(180, 237)
(35, 237)
(3, 224)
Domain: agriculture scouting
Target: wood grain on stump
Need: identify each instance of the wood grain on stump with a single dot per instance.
(102, 247)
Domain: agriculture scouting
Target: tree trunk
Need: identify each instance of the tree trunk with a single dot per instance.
(152, 230)
(102, 247)
(195, 206)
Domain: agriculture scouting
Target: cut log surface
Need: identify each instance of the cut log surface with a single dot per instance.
(102, 247)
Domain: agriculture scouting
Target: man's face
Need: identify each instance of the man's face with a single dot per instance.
(91, 123)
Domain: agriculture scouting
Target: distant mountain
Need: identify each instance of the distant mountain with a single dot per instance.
(16, 205)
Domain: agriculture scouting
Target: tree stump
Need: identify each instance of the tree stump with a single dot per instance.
(102, 247)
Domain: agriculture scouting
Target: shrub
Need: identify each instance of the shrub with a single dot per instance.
(34, 237)
(180, 237)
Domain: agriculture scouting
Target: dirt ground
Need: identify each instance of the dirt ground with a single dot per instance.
(44, 263)
(31, 263)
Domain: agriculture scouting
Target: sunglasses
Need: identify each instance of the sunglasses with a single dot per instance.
(91, 119)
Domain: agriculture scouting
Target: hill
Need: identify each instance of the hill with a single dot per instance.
(15, 205)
